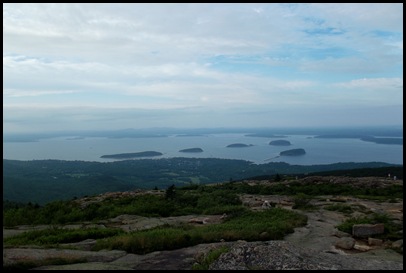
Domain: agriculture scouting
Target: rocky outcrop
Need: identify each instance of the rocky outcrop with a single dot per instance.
(282, 255)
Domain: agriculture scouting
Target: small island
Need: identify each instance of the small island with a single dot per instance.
(191, 150)
(280, 143)
(293, 152)
(239, 145)
(133, 155)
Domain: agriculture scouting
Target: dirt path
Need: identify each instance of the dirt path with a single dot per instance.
(319, 233)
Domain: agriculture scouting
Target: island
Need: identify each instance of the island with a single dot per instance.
(133, 155)
(280, 143)
(293, 152)
(191, 150)
(239, 145)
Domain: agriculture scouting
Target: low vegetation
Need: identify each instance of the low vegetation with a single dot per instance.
(208, 259)
(392, 229)
(250, 226)
(54, 236)
(241, 223)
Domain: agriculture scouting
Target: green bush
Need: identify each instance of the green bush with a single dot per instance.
(301, 201)
(340, 208)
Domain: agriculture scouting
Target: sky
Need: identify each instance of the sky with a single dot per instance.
(201, 65)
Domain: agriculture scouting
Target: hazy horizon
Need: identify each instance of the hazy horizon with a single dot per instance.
(77, 67)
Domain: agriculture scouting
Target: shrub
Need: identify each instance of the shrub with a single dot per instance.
(301, 201)
(340, 208)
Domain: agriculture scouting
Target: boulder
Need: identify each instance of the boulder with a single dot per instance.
(345, 243)
(365, 230)
(374, 242)
(398, 244)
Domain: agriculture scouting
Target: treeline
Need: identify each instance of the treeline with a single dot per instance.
(366, 172)
(175, 201)
(43, 181)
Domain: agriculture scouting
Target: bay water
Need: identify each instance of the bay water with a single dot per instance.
(318, 150)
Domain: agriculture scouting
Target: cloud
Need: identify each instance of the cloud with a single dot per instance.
(203, 60)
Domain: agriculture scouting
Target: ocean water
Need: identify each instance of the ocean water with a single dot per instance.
(318, 150)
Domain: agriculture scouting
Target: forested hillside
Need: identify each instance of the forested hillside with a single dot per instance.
(42, 181)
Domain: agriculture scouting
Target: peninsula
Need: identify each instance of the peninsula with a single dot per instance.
(132, 155)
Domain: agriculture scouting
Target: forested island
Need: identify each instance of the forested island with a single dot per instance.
(132, 155)
(293, 152)
(239, 145)
(280, 143)
(191, 150)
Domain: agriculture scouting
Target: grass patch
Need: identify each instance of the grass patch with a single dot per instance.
(271, 224)
(209, 258)
(346, 209)
(54, 236)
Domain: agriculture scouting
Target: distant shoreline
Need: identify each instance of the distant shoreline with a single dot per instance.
(377, 140)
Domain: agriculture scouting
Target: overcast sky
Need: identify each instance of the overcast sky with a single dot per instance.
(114, 66)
